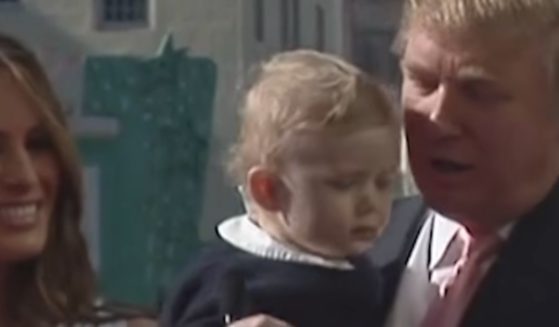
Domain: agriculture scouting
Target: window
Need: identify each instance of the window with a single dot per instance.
(259, 20)
(371, 53)
(10, 3)
(319, 28)
(295, 31)
(284, 24)
(289, 24)
(123, 13)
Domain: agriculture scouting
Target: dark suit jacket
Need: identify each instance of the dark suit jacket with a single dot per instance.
(522, 286)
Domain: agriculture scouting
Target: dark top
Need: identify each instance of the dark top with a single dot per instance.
(302, 294)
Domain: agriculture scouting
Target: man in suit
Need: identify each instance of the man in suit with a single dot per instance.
(480, 95)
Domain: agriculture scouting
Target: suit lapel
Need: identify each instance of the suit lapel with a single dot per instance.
(394, 247)
(522, 285)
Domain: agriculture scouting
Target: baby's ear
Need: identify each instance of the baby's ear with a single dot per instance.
(265, 188)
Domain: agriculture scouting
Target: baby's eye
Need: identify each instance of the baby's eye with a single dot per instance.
(341, 184)
(386, 181)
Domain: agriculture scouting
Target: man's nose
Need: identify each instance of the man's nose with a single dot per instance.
(442, 110)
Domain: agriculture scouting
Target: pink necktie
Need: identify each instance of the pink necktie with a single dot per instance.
(447, 309)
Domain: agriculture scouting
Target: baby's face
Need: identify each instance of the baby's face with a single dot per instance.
(339, 188)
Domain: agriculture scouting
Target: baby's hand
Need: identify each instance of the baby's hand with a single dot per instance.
(260, 320)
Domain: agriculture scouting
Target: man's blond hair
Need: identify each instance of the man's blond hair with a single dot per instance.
(490, 21)
(516, 18)
(304, 89)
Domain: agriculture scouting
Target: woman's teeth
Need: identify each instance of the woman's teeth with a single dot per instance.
(18, 215)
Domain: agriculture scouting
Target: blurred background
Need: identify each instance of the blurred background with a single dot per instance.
(151, 87)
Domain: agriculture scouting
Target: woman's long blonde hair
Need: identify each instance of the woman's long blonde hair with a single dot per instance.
(58, 285)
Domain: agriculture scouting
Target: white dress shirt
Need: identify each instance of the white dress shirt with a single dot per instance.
(418, 285)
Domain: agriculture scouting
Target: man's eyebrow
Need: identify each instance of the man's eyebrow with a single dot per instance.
(414, 66)
(474, 73)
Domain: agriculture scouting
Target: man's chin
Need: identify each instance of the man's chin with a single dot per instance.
(453, 205)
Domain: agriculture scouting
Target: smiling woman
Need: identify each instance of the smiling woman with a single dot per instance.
(45, 274)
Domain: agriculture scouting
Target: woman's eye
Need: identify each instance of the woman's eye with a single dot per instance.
(38, 142)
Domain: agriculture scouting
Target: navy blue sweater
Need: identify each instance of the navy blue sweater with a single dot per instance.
(301, 294)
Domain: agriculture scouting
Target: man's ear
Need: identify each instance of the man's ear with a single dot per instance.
(264, 186)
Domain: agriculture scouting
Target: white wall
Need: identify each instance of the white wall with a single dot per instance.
(64, 32)
(336, 32)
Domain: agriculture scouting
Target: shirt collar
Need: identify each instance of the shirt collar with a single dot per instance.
(444, 229)
(243, 233)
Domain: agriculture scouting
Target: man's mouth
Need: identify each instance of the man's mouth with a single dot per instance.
(449, 166)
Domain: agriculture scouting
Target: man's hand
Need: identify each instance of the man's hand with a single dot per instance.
(260, 320)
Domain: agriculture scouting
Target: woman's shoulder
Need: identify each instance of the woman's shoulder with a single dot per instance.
(137, 322)
(119, 323)
(116, 314)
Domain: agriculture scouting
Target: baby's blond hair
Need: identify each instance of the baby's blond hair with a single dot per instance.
(304, 89)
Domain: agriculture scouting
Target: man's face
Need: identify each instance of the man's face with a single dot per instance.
(339, 188)
(481, 125)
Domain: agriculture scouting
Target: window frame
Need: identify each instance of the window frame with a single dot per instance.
(103, 24)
